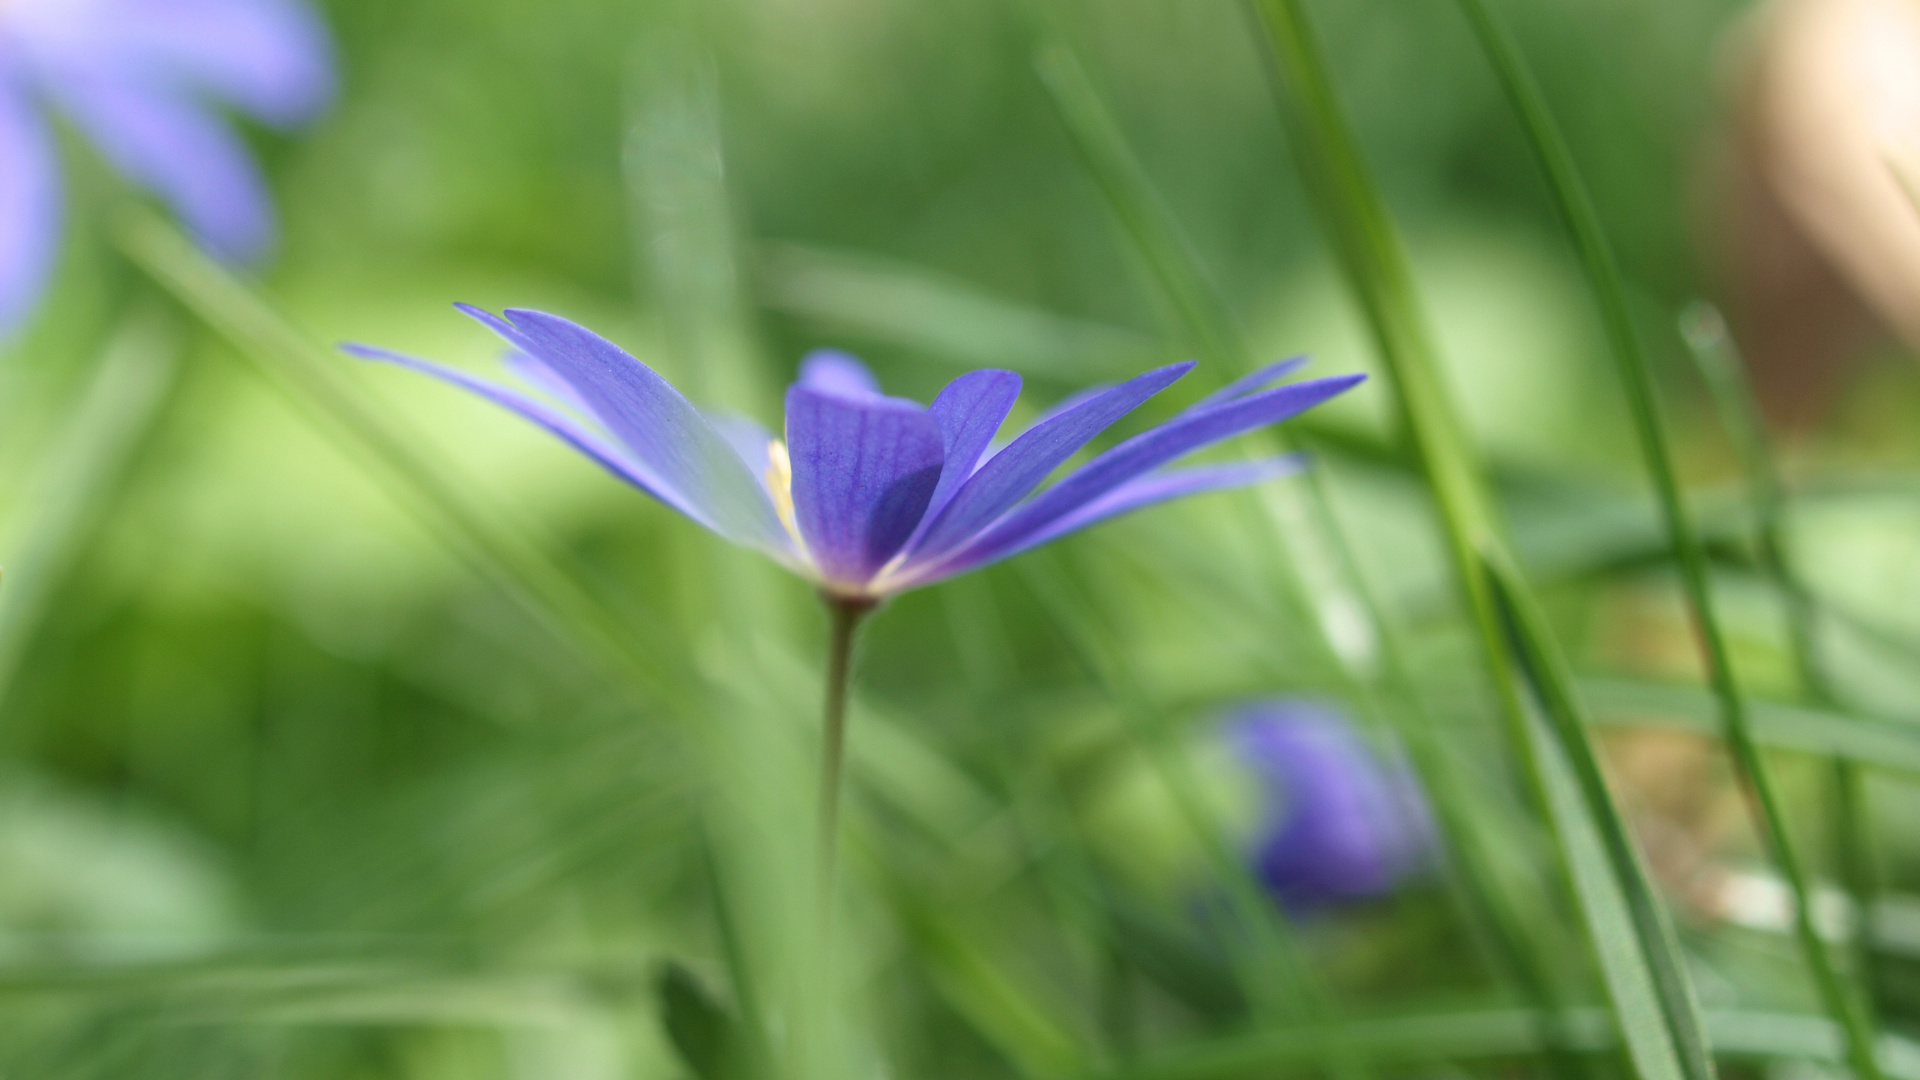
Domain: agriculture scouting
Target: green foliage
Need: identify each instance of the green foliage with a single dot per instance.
(354, 731)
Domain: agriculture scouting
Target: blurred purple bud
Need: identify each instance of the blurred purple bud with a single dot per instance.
(1339, 822)
(145, 80)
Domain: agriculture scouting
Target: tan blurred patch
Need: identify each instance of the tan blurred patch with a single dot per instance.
(1817, 238)
(1676, 789)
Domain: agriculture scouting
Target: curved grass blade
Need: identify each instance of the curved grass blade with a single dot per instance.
(1501, 1035)
(1576, 208)
(80, 473)
(1342, 591)
(1714, 353)
(1039, 1046)
(1273, 973)
(1599, 833)
(708, 1036)
(1807, 729)
(1363, 236)
(1147, 219)
(635, 654)
(685, 236)
(931, 312)
(1375, 262)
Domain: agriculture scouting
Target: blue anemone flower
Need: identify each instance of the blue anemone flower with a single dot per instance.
(142, 79)
(1340, 823)
(870, 495)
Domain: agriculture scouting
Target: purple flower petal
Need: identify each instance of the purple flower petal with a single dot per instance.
(835, 372)
(270, 58)
(540, 377)
(576, 433)
(749, 440)
(1014, 471)
(1248, 383)
(970, 410)
(1133, 495)
(29, 208)
(1149, 450)
(182, 153)
(659, 428)
(863, 471)
(1001, 442)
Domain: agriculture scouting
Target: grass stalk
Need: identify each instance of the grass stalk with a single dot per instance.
(1182, 279)
(1273, 974)
(81, 472)
(1582, 220)
(1717, 357)
(1365, 242)
(1550, 680)
(315, 380)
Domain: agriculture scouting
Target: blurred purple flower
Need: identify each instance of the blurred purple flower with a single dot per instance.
(142, 79)
(870, 495)
(1339, 823)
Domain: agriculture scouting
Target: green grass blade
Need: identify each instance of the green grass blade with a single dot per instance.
(934, 313)
(746, 989)
(1671, 1032)
(1015, 1021)
(1356, 218)
(1274, 974)
(316, 380)
(1148, 221)
(80, 472)
(686, 241)
(1495, 1036)
(1316, 542)
(1713, 352)
(1718, 359)
(1576, 207)
(1376, 265)
(708, 1037)
(1808, 729)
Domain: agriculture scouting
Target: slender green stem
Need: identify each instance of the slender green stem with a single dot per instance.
(636, 654)
(1718, 358)
(1636, 373)
(1274, 973)
(845, 616)
(1475, 1042)
(1551, 680)
(746, 992)
(1208, 322)
(1367, 245)
(81, 470)
(1714, 353)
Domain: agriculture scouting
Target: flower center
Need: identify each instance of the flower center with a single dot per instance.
(780, 486)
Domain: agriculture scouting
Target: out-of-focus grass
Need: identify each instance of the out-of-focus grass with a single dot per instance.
(296, 787)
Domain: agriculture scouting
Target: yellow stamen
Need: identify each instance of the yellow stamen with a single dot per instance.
(780, 486)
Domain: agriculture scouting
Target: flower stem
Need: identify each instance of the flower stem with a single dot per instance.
(846, 616)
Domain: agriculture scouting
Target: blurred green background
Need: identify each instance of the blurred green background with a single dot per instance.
(293, 788)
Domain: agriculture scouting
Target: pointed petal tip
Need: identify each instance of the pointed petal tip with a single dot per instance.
(369, 352)
(486, 318)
